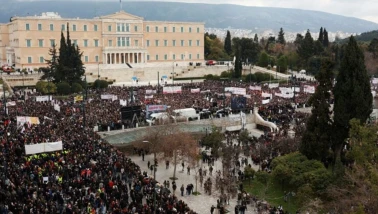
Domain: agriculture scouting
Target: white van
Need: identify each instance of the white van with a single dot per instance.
(186, 114)
(161, 117)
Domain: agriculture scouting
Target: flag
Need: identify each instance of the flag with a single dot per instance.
(78, 98)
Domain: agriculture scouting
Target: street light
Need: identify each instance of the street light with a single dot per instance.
(154, 168)
(173, 77)
(84, 99)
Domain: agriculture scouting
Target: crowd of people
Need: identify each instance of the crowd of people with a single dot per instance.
(89, 175)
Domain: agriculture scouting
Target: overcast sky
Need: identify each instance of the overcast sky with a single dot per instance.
(363, 9)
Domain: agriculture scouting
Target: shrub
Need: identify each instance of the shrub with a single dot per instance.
(45, 87)
(100, 84)
(76, 88)
(63, 88)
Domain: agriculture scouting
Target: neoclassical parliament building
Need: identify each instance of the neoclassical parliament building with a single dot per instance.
(115, 39)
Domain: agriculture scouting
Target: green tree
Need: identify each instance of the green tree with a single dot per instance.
(263, 60)
(325, 39)
(100, 84)
(316, 140)
(281, 37)
(352, 94)
(49, 74)
(249, 172)
(228, 44)
(282, 63)
(373, 48)
(249, 49)
(214, 141)
(238, 65)
(45, 87)
(256, 38)
(306, 48)
(76, 88)
(321, 36)
(298, 40)
(70, 67)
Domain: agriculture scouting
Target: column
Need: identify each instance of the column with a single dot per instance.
(142, 56)
(128, 58)
(124, 58)
(113, 56)
(131, 58)
(137, 58)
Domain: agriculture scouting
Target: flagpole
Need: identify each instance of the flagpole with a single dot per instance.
(120, 4)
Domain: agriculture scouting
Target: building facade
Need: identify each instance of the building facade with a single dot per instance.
(115, 39)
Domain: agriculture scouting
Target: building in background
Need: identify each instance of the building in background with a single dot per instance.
(115, 39)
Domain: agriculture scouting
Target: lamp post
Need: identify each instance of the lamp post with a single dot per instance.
(84, 99)
(98, 75)
(224, 95)
(154, 168)
(173, 77)
(4, 100)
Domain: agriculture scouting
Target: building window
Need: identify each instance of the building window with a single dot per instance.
(198, 56)
(127, 41)
(41, 59)
(119, 42)
(75, 42)
(127, 27)
(28, 43)
(95, 28)
(110, 43)
(156, 43)
(182, 42)
(96, 58)
(86, 58)
(85, 42)
(190, 56)
(182, 29)
(118, 27)
(136, 28)
(165, 29)
(174, 29)
(40, 43)
(52, 42)
(148, 43)
(174, 56)
(182, 56)
(96, 42)
(173, 42)
(190, 29)
(27, 27)
(39, 27)
(198, 42)
(198, 30)
(63, 27)
(148, 57)
(165, 43)
(156, 29)
(51, 27)
(30, 60)
(157, 57)
(190, 42)
(123, 27)
(136, 43)
(85, 28)
(148, 29)
(165, 57)
(109, 28)
(74, 27)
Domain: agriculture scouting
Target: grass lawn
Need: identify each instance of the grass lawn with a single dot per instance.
(273, 194)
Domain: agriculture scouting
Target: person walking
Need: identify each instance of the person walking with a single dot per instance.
(212, 209)
(188, 170)
(182, 189)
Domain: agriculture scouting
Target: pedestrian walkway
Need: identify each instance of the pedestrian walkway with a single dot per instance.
(200, 203)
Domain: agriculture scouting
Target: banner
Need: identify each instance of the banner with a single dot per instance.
(273, 85)
(56, 107)
(43, 147)
(123, 102)
(266, 95)
(285, 95)
(154, 109)
(150, 91)
(22, 120)
(11, 103)
(255, 88)
(172, 90)
(234, 90)
(114, 98)
(149, 96)
(309, 89)
(78, 98)
(374, 81)
(195, 90)
(265, 101)
(107, 96)
(247, 96)
(41, 98)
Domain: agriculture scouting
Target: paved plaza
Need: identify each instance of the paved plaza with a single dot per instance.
(200, 203)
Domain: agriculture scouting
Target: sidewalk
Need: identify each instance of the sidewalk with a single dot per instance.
(200, 203)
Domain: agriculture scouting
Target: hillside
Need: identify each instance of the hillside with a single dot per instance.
(258, 19)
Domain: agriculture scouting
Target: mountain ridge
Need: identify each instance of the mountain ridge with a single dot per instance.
(258, 19)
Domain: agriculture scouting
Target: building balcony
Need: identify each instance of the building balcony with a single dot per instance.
(125, 49)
